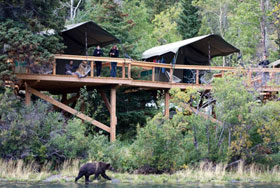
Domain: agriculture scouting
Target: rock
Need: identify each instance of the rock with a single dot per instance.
(116, 181)
(52, 178)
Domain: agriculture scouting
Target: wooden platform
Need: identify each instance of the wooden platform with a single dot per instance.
(64, 84)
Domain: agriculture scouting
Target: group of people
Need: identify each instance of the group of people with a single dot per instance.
(84, 68)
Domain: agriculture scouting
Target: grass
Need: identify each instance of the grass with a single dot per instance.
(204, 173)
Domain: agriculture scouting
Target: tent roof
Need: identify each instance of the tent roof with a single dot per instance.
(275, 63)
(96, 35)
(219, 47)
(76, 33)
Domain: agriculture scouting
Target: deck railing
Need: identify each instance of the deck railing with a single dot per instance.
(127, 64)
(258, 77)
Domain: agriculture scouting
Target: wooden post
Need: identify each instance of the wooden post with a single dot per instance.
(27, 94)
(129, 71)
(171, 75)
(167, 97)
(123, 70)
(153, 74)
(64, 98)
(197, 77)
(113, 117)
(223, 73)
(250, 77)
(54, 68)
(91, 69)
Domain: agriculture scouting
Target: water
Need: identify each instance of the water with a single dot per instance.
(122, 185)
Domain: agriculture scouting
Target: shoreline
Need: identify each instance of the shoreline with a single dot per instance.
(203, 173)
(180, 177)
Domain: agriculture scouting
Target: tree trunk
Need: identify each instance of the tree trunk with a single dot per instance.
(229, 137)
(71, 9)
(263, 23)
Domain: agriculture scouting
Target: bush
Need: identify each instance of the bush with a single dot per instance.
(159, 145)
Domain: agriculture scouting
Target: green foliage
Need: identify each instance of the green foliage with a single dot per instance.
(25, 131)
(33, 14)
(159, 145)
(189, 22)
(165, 26)
(267, 120)
(21, 22)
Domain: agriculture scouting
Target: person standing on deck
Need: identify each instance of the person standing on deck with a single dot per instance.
(98, 52)
(114, 52)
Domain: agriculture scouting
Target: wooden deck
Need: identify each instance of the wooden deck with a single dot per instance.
(63, 84)
(58, 83)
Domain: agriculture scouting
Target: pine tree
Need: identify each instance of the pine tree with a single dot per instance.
(110, 16)
(20, 24)
(189, 22)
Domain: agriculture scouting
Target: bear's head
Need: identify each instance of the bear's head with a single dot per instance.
(108, 166)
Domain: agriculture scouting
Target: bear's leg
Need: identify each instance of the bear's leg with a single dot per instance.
(78, 177)
(105, 176)
(96, 176)
(86, 178)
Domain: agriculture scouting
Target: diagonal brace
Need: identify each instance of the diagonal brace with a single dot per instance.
(69, 109)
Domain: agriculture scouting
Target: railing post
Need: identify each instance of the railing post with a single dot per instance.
(197, 77)
(153, 74)
(54, 67)
(129, 71)
(223, 73)
(91, 69)
(271, 77)
(171, 75)
(123, 70)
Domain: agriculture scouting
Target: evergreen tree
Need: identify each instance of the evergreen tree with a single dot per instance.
(189, 22)
(20, 24)
(110, 15)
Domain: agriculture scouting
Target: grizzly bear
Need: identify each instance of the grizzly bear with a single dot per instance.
(96, 168)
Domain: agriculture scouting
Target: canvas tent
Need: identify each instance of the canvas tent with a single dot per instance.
(275, 64)
(79, 37)
(193, 51)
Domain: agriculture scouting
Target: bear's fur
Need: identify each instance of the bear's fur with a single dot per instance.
(97, 168)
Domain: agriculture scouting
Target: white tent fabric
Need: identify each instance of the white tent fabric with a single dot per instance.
(275, 64)
(218, 46)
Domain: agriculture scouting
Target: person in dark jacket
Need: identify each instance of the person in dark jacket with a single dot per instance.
(98, 52)
(265, 62)
(114, 52)
(69, 68)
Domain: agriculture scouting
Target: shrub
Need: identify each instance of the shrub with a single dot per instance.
(159, 145)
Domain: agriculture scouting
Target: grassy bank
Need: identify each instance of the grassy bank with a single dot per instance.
(18, 171)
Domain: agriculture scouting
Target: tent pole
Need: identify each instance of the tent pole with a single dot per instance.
(209, 51)
(86, 42)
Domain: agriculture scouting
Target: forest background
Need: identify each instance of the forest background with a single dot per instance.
(249, 130)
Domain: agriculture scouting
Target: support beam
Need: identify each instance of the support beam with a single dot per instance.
(69, 109)
(204, 115)
(167, 97)
(64, 98)
(105, 99)
(27, 94)
(113, 114)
